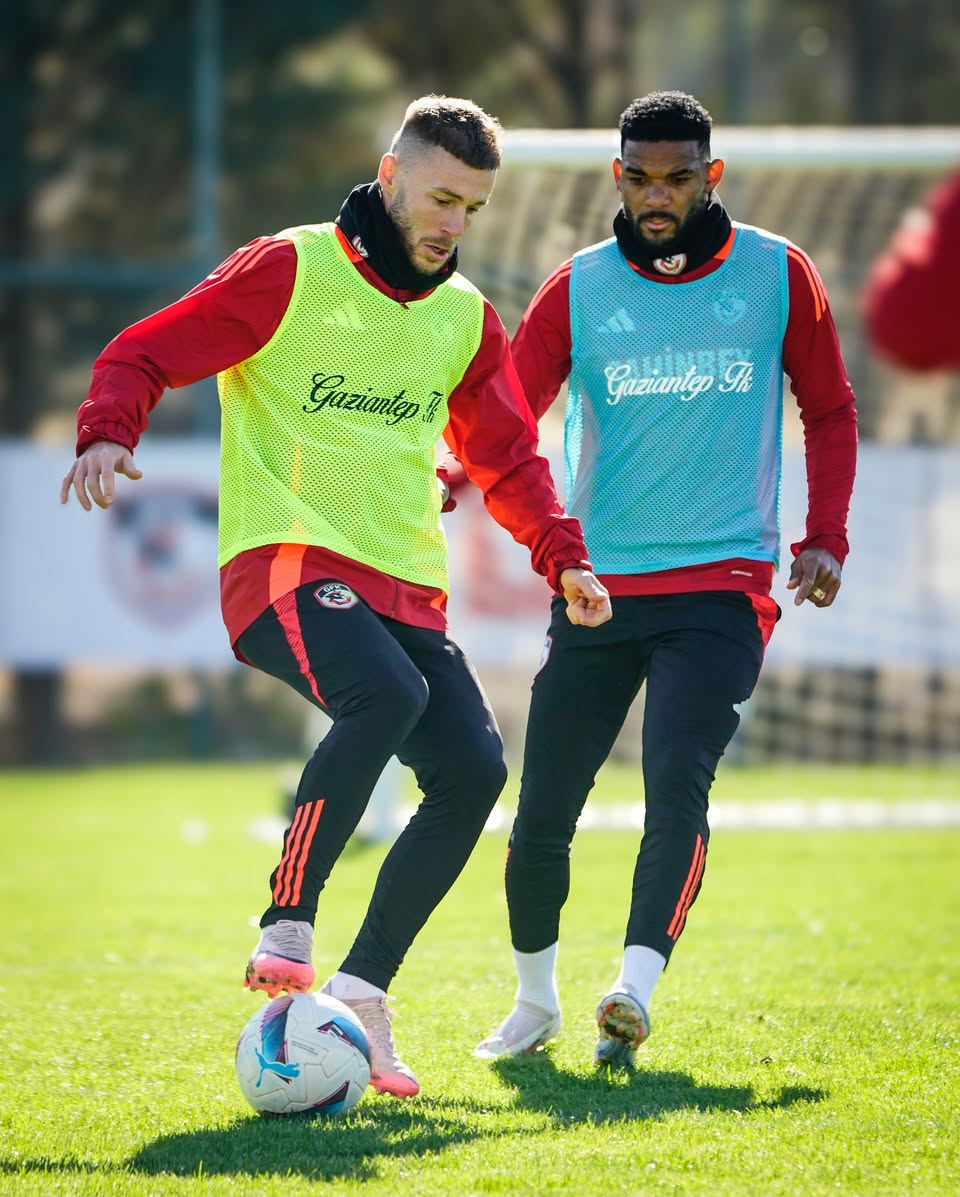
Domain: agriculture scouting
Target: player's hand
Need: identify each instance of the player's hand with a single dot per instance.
(92, 475)
(588, 602)
(815, 576)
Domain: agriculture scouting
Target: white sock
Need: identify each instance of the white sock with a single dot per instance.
(536, 974)
(345, 987)
(640, 972)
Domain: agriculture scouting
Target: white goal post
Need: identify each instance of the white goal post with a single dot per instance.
(884, 147)
(839, 193)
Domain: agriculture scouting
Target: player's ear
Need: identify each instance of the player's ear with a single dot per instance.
(714, 173)
(617, 171)
(387, 174)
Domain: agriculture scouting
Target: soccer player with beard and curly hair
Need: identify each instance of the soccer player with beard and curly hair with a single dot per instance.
(674, 336)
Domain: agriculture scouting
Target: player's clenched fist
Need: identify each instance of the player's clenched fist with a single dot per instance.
(588, 602)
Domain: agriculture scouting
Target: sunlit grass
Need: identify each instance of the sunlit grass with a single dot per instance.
(805, 1035)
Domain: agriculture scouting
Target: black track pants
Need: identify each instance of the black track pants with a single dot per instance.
(700, 656)
(391, 689)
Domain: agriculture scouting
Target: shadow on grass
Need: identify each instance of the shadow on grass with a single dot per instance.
(319, 1149)
(605, 1097)
(349, 1148)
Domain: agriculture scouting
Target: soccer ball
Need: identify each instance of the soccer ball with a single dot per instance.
(303, 1053)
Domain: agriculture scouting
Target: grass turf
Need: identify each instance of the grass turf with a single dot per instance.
(804, 1038)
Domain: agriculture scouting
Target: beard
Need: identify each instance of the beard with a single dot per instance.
(403, 223)
(671, 242)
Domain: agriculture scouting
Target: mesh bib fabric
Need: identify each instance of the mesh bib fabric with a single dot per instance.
(674, 412)
(329, 431)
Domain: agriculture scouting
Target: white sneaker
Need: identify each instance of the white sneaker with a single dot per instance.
(525, 1028)
(388, 1073)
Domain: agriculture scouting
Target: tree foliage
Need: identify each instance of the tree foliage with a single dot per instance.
(98, 118)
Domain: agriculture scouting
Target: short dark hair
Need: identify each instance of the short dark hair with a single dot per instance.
(667, 116)
(460, 127)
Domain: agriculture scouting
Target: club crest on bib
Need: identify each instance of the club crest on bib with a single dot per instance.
(336, 596)
(730, 305)
(671, 265)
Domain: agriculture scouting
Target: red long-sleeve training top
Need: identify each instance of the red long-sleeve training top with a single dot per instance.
(232, 314)
(818, 379)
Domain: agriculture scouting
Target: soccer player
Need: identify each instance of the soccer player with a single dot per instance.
(342, 352)
(674, 334)
(909, 299)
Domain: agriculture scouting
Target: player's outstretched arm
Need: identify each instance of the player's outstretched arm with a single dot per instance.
(92, 475)
(815, 575)
(588, 602)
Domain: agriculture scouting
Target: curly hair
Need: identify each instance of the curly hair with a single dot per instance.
(667, 116)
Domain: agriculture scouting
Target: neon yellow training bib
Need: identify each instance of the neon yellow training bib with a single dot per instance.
(329, 431)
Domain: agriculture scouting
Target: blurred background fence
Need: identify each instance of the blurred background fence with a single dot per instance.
(142, 146)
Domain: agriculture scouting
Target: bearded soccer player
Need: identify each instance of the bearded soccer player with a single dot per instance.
(674, 335)
(343, 351)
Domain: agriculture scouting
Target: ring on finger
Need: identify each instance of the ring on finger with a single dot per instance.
(817, 593)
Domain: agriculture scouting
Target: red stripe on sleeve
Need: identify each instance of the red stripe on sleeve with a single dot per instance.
(818, 379)
(224, 320)
(813, 278)
(542, 345)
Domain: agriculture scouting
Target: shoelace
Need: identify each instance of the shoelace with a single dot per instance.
(376, 1017)
(290, 938)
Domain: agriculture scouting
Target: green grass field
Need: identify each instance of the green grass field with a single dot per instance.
(805, 1037)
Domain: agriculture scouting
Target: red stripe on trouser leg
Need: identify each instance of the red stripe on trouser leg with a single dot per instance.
(303, 854)
(765, 609)
(287, 614)
(285, 867)
(289, 882)
(689, 890)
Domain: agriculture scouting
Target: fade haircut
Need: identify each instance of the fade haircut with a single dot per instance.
(667, 116)
(460, 127)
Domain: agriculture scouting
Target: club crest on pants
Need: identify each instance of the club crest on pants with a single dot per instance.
(336, 596)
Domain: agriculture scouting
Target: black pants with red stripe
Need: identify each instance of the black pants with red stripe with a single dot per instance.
(391, 689)
(699, 656)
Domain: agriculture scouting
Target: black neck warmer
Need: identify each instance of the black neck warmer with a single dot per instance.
(365, 222)
(701, 240)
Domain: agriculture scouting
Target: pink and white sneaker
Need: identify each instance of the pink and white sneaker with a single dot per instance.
(281, 960)
(388, 1073)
